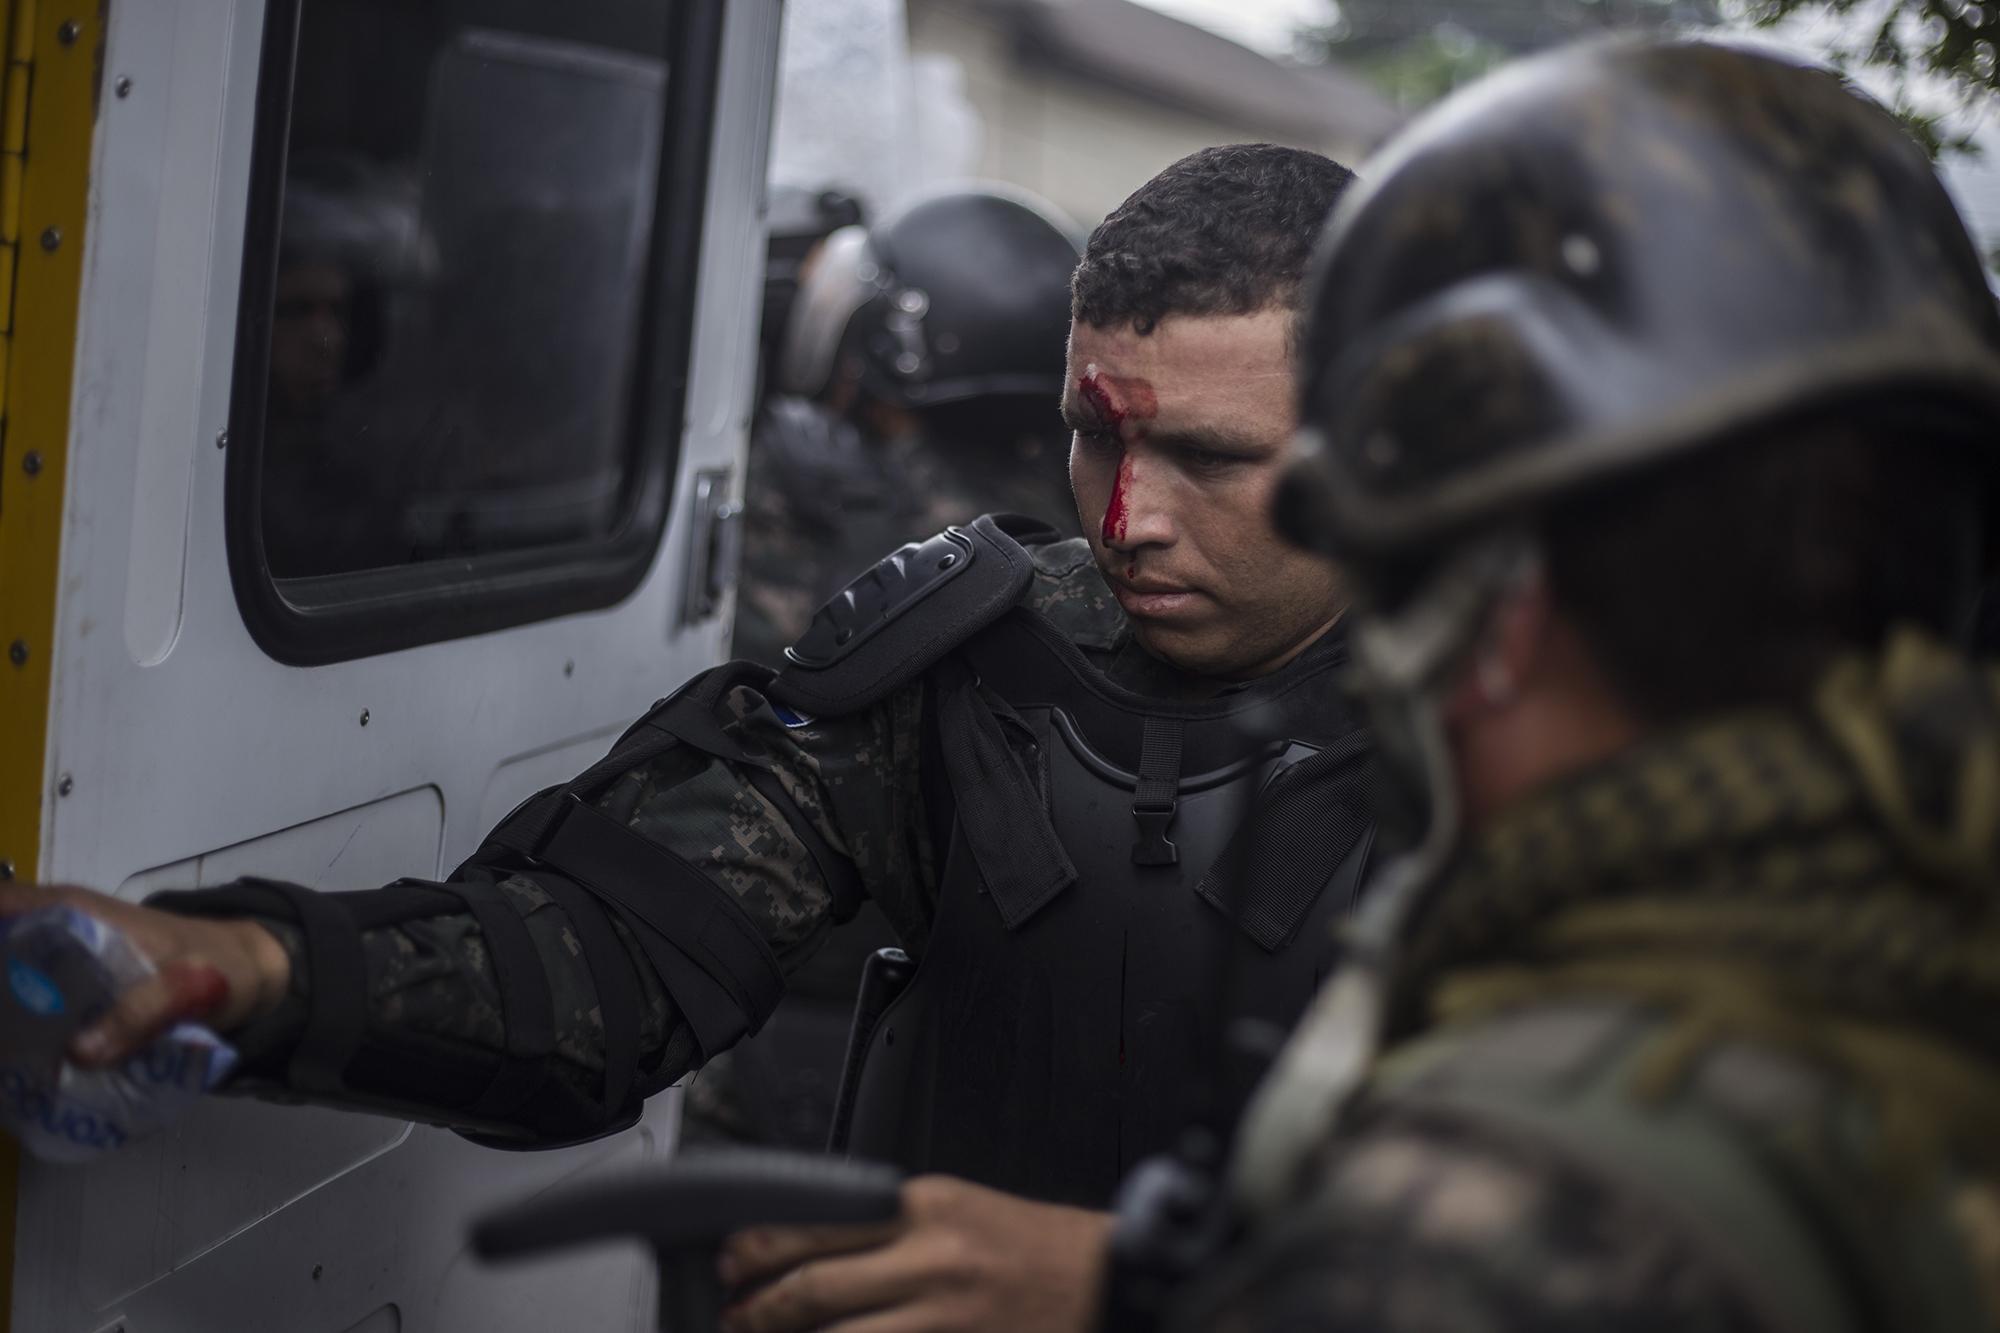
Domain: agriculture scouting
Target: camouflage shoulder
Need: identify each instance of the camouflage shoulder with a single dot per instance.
(1068, 590)
(1417, 1224)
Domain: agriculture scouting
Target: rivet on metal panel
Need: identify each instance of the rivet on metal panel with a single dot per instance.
(51, 238)
(122, 85)
(364, 717)
(6, 871)
(31, 463)
(69, 32)
(222, 438)
(65, 785)
(17, 652)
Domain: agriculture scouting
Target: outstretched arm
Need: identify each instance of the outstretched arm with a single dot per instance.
(541, 998)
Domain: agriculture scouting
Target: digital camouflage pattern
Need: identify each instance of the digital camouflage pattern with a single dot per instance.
(1416, 1226)
(855, 779)
(1804, 906)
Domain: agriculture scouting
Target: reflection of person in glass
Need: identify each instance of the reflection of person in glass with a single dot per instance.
(346, 235)
(310, 336)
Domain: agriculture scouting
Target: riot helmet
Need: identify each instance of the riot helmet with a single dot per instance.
(1593, 266)
(1600, 277)
(1609, 256)
(961, 296)
(796, 220)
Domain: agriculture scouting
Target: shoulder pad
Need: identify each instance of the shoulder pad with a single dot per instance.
(870, 638)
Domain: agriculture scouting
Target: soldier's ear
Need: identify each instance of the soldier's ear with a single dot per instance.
(1514, 650)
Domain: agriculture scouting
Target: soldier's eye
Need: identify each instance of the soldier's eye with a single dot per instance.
(1209, 461)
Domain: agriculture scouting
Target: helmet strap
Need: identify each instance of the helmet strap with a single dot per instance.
(1405, 663)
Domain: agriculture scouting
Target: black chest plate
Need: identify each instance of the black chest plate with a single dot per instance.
(1045, 1051)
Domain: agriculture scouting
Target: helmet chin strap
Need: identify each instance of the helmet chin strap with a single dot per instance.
(1404, 664)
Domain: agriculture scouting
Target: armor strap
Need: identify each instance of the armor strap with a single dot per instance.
(527, 1007)
(709, 955)
(1295, 841)
(998, 803)
(707, 952)
(1156, 797)
(620, 997)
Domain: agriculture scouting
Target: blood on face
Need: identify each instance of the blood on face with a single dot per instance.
(1116, 510)
(1123, 403)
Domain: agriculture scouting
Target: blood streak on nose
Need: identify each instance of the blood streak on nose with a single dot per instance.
(1117, 512)
(1121, 402)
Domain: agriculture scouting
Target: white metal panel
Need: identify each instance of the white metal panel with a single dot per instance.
(179, 737)
(175, 317)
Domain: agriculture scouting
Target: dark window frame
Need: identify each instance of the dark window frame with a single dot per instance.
(340, 617)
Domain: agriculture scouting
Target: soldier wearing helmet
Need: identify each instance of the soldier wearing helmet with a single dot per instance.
(912, 368)
(1650, 392)
(911, 372)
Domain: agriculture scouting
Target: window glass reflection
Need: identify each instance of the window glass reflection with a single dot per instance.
(469, 207)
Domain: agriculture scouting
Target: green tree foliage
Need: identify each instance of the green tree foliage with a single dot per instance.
(1936, 61)
(1938, 56)
(1418, 50)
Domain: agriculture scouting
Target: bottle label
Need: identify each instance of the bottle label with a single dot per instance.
(37, 994)
(64, 967)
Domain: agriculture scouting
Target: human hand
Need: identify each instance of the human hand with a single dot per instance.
(961, 1257)
(219, 972)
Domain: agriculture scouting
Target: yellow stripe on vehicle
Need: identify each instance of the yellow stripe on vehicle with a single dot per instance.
(48, 118)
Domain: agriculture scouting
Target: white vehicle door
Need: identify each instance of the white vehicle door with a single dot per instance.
(377, 380)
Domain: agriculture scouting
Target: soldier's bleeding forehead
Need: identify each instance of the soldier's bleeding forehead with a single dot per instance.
(1121, 402)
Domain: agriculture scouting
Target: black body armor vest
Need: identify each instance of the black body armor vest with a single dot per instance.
(1045, 1047)
(1106, 855)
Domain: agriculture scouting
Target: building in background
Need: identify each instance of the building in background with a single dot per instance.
(1082, 101)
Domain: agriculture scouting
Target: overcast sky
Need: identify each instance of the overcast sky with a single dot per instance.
(1268, 25)
(1263, 25)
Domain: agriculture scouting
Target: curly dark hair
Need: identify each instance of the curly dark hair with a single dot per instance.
(1224, 231)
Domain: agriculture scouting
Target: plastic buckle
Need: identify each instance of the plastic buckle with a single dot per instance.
(1152, 848)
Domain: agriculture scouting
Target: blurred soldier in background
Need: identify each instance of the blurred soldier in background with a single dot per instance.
(777, 1087)
(1653, 393)
(796, 222)
(915, 384)
(911, 380)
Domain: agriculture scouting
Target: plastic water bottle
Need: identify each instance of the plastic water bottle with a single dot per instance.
(63, 970)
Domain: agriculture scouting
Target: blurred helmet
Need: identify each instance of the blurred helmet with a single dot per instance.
(961, 296)
(343, 209)
(796, 221)
(1609, 256)
(1596, 262)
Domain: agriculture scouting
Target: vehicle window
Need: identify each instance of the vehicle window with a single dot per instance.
(459, 287)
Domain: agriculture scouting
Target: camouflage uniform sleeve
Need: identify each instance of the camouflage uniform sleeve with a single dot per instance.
(432, 988)
(1418, 1226)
